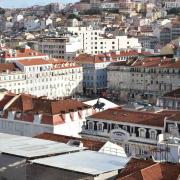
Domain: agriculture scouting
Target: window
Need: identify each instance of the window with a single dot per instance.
(142, 132)
(90, 125)
(127, 150)
(125, 128)
(141, 152)
(170, 128)
(100, 126)
(152, 134)
(3, 125)
(116, 126)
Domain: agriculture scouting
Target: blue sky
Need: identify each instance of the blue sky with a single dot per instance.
(26, 3)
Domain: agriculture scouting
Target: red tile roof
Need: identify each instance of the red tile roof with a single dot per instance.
(33, 62)
(88, 59)
(52, 111)
(173, 94)
(135, 117)
(137, 169)
(8, 67)
(157, 62)
(24, 53)
(28, 103)
(5, 100)
(89, 143)
(135, 165)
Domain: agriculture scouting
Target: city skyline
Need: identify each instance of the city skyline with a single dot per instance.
(20, 3)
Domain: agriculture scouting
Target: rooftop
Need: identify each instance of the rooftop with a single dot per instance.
(23, 53)
(8, 67)
(88, 143)
(88, 162)
(33, 62)
(139, 169)
(157, 62)
(107, 104)
(127, 116)
(173, 94)
(88, 59)
(26, 106)
(32, 147)
(135, 165)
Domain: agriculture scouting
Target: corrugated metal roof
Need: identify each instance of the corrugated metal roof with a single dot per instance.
(32, 147)
(88, 162)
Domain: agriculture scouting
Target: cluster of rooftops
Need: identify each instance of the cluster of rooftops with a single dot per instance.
(28, 106)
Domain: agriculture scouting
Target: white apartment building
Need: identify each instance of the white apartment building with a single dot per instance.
(109, 5)
(27, 115)
(143, 79)
(40, 77)
(136, 131)
(32, 24)
(95, 41)
(65, 47)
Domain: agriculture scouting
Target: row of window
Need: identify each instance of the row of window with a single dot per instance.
(142, 131)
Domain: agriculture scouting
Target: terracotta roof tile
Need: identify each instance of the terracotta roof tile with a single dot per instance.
(88, 59)
(89, 143)
(32, 62)
(8, 67)
(31, 103)
(137, 169)
(5, 100)
(135, 117)
(157, 62)
(135, 165)
(52, 111)
(24, 53)
(173, 94)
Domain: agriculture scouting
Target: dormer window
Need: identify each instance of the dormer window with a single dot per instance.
(142, 132)
(116, 126)
(100, 126)
(91, 125)
(170, 128)
(125, 128)
(153, 134)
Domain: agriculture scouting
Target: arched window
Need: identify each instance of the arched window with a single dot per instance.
(91, 125)
(100, 126)
(152, 134)
(116, 126)
(125, 128)
(142, 132)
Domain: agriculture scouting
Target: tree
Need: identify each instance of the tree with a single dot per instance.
(92, 12)
(2, 11)
(74, 16)
(175, 11)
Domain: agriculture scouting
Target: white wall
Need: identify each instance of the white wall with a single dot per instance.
(23, 128)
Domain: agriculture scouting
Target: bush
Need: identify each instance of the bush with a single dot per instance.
(175, 11)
